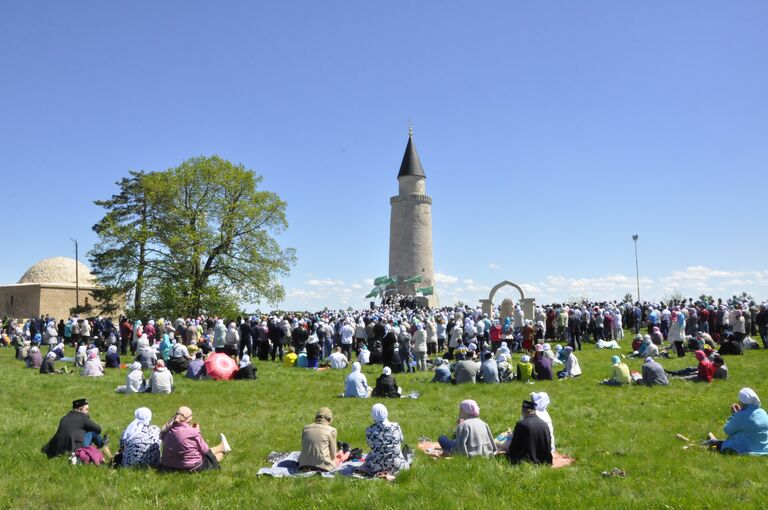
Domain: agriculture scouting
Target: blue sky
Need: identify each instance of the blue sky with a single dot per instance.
(550, 132)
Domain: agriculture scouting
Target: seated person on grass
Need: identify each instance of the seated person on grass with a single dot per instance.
(319, 447)
(385, 438)
(442, 371)
(472, 436)
(704, 372)
(76, 430)
(746, 429)
(653, 373)
(620, 375)
(386, 386)
(356, 384)
(184, 448)
(531, 439)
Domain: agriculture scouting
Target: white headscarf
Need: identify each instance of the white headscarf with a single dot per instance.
(356, 367)
(386, 371)
(142, 416)
(747, 396)
(245, 361)
(541, 399)
(134, 366)
(380, 414)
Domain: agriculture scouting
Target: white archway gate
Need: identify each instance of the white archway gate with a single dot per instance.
(527, 304)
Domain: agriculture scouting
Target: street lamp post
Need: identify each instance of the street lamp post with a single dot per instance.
(77, 274)
(637, 268)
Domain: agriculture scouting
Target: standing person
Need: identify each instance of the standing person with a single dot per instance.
(420, 347)
(76, 430)
(347, 337)
(676, 334)
(126, 331)
(531, 439)
(246, 341)
(388, 344)
(219, 336)
(184, 448)
(431, 329)
(277, 337)
(761, 320)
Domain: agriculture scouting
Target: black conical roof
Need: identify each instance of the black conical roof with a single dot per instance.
(411, 164)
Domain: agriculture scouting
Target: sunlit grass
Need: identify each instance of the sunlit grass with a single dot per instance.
(602, 427)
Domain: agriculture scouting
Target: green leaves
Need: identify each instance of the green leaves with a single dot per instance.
(206, 233)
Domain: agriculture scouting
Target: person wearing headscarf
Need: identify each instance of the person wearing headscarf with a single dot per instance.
(318, 443)
(386, 386)
(314, 351)
(219, 336)
(137, 332)
(653, 373)
(165, 347)
(58, 350)
(184, 448)
(531, 439)
(472, 436)
(140, 442)
(196, 367)
(356, 385)
(112, 359)
(525, 369)
(703, 372)
(161, 380)
(542, 365)
(746, 429)
(93, 366)
(541, 399)
(47, 366)
(504, 368)
(134, 381)
(145, 354)
(246, 370)
(442, 372)
(572, 367)
(385, 438)
(676, 335)
(620, 375)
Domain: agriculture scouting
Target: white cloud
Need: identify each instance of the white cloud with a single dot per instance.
(357, 286)
(492, 265)
(469, 281)
(327, 282)
(445, 279)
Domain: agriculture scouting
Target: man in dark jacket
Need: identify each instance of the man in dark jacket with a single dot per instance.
(76, 430)
(246, 342)
(530, 440)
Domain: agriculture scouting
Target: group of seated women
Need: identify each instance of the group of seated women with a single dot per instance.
(321, 450)
(177, 446)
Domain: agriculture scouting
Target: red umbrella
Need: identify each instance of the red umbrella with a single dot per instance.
(220, 366)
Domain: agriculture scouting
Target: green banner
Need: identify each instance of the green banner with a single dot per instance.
(373, 293)
(426, 291)
(413, 279)
(381, 280)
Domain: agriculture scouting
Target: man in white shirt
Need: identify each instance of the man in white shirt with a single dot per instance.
(337, 359)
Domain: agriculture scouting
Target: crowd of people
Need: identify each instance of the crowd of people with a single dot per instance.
(459, 344)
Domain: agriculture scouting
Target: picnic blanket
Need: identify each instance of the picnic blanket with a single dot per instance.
(432, 449)
(286, 464)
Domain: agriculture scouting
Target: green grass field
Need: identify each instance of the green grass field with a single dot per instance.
(602, 427)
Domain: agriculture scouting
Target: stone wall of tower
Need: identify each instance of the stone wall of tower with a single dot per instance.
(410, 238)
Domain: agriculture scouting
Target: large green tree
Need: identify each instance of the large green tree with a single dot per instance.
(208, 243)
(119, 258)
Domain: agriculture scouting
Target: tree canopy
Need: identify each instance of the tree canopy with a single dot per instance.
(197, 238)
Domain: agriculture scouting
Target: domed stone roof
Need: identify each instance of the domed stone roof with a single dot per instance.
(59, 270)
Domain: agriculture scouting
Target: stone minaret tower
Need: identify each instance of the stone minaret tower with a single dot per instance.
(410, 227)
